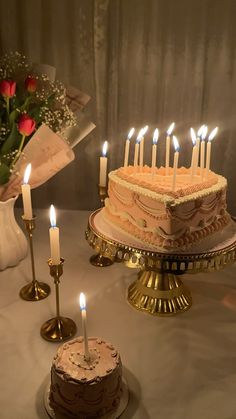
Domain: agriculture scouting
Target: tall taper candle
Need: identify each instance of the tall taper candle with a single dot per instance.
(54, 235)
(141, 150)
(26, 194)
(127, 144)
(202, 156)
(199, 133)
(103, 166)
(176, 159)
(136, 150)
(194, 153)
(169, 132)
(82, 303)
(154, 151)
(208, 155)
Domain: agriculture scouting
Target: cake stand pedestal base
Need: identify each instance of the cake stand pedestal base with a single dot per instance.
(58, 329)
(159, 293)
(100, 261)
(35, 291)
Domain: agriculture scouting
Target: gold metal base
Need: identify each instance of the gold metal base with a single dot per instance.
(35, 291)
(58, 329)
(100, 261)
(161, 294)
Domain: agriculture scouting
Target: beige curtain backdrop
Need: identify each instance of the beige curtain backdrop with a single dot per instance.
(143, 62)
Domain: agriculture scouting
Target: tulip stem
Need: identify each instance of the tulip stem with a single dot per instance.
(19, 151)
(8, 105)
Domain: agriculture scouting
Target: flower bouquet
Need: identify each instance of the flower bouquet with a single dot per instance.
(40, 122)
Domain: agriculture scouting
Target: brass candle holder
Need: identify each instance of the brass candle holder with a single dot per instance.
(34, 291)
(58, 328)
(100, 259)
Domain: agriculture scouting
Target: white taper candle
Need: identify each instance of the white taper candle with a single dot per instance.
(82, 302)
(127, 146)
(26, 194)
(103, 166)
(175, 165)
(169, 132)
(54, 235)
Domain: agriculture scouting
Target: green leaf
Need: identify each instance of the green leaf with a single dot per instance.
(12, 142)
(4, 173)
(13, 116)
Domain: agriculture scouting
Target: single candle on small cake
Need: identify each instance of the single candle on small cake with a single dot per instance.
(82, 303)
(176, 159)
(154, 152)
(54, 235)
(208, 155)
(127, 146)
(169, 132)
(26, 194)
(103, 166)
(141, 150)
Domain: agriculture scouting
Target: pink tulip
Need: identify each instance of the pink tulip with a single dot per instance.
(30, 84)
(26, 125)
(7, 88)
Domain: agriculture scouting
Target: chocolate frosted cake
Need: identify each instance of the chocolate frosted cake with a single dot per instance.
(81, 389)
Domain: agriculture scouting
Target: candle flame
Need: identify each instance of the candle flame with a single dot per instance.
(27, 173)
(199, 133)
(170, 129)
(176, 143)
(193, 136)
(204, 133)
(155, 136)
(140, 136)
(104, 149)
(53, 218)
(82, 301)
(213, 134)
(144, 129)
(131, 133)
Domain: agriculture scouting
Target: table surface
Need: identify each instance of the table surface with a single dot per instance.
(180, 367)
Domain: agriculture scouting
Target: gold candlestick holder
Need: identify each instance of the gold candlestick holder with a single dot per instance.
(58, 328)
(34, 291)
(101, 260)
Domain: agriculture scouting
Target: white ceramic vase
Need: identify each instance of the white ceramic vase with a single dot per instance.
(13, 243)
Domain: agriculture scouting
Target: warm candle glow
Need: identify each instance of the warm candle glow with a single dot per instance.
(53, 219)
(213, 134)
(155, 136)
(82, 301)
(193, 136)
(144, 130)
(170, 129)
(204, 133)
(199, 133)
(104, 149)
(140, 135)
(176, 143)
(131, 133)
(27, 173)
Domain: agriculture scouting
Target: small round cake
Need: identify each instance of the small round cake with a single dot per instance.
(85, 389)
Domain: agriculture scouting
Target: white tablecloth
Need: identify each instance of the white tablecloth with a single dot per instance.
(182, 367)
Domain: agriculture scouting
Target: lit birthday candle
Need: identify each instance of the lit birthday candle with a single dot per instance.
(176, 159)
(103, 166)
(82, 303)
(208, 155)
(194, 153)
(202, 154)
(26, 194)
(199, 133)
(136, 150)
(54, 235)
(154, 151)
(127, 144)
(169, 132)
(144, 130)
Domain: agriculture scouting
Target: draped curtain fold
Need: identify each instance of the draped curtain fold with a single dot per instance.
(143, 62)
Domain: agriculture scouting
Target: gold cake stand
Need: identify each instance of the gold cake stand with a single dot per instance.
(159, 289)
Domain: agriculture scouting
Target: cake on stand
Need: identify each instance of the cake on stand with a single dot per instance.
(159, 289)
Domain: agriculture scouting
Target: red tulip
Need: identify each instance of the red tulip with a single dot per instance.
(30, 84)
(26, 125)
(7, 88)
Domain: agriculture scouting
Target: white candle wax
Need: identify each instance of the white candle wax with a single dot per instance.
(136, 153)
(197, 155)
(126, 159)
(167, 154)
(154, 159)
(202, 159)
(84, 326)
(208, 158)
(141, 151)
(54, 235)
(193, 162)
(27, 205)
(176, 159)
(103, 171)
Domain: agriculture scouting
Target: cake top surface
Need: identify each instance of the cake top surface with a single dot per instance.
(70, 363)
(159, 186)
